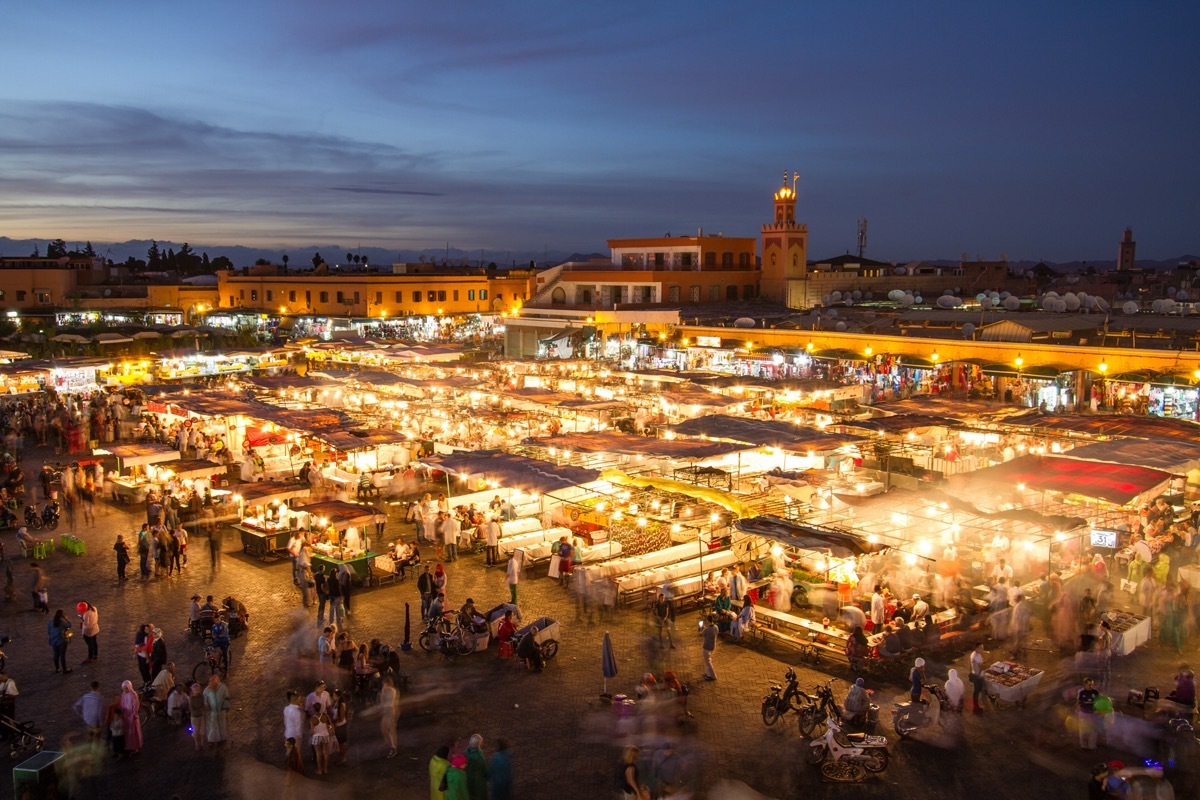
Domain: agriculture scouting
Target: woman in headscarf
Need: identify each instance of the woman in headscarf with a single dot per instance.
(746, 619)
(129, 711)
(955, 690)
(439, 579)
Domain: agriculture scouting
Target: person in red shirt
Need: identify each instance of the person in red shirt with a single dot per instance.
(504, 634)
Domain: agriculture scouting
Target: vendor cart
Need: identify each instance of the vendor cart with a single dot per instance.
(1010, 682)
(545, 632)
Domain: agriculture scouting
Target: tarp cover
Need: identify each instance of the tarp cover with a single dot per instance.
(840, 544)
(900, 422)
(346, 441)
(289, 382)
(1115, 483)
(765, 432)
(1113, 425)
(1176, 457)
(700, 397)
(512, 471)
(258, 493)
(133, 455)
(341, 515)
(194, 468)
(627, 443)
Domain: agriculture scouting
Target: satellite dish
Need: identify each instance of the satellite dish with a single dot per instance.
(827, 300)
(901, 271)
(1071, 302)
(969, 330)
(1004, 295)
(841, 326)
(1181, 296)
(945, 301)
(895, 295)
(1130, 307)
(856, 294)
(985, 303)
(868, 295)
(1101, 304)
(108, 292)
(744, 322)
(918, 299)
(1157, 307)
(907, 300)
(836, 297)
(63, 261)
(948, 292)
(1012, 303)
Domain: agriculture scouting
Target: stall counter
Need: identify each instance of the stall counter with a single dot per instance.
(360, 564)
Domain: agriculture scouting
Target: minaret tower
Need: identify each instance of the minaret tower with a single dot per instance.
(784, 249)
(1126, 251)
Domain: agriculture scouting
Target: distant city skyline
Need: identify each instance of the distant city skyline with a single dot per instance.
(1035, 131)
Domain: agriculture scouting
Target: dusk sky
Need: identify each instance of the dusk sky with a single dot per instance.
(1039, 130)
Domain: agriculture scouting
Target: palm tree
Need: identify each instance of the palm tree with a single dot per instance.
(285, 260)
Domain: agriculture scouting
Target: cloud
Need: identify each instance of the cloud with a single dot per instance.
(378, 190)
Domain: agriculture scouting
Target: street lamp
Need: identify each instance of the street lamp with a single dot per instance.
(1103, 366)
(935, 356)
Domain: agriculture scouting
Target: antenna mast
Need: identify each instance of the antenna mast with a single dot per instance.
(862, 237)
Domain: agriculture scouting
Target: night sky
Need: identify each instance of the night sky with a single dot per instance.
(1039, 130)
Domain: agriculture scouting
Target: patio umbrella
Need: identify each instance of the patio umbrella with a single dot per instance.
(608, 661)
(110, 338)
(72, 338)
(147, 335)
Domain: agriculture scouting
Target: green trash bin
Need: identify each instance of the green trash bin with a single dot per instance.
(37, 777)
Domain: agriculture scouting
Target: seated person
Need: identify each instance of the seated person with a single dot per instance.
(890, 647)
(746, 620)
(163, 683)
(505, 630)
(208, 611)
(529, 651)
(930, 631)
(1185, 687)
(24, 537)
(754, 573)
(648, 685)
(177, 704)
(709, 589)
(857, 700)
(723, 607)
(194, 614)
(672, 685)
(237, 613)
(470, 618)
(908, 637)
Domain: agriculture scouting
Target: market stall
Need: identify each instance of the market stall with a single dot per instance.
(265, 520)
(130, 483)
(1129, 631)
(342, 531)
(1011, 682)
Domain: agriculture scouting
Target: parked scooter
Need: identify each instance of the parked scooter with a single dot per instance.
(783, 699)
(909, 717)
(861, 749)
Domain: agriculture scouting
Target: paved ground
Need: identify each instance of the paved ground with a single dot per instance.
(564, 740)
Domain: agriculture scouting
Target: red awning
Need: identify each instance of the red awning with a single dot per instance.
(1116, 483)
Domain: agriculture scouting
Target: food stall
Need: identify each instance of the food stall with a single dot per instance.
(1011, 682)
(265, 530)
(1129, 631)
(131, 484)
(342, 534)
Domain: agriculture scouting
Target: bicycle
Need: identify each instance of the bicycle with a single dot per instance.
(213, 664)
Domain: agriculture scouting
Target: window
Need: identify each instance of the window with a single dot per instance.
(726, 259)
(231, 303)
(378, 298)
(714, 292)
(456, 295)
(672, 294)
(253, 295)
(291, 297)
(270, 295)
(687, 259)
(20, 295)
(241, 294)
(416, 297)
(483, 294)
(324, 297)
(710, 259)
(743, 259)
(356, 298)
(499, 296)
(399, 297)
(442, 296)
(748, 291)
(694, 294)
(431, 296)
(731, 292)
(470, 294)
(307, 298)
(340, 298)
(659, 259)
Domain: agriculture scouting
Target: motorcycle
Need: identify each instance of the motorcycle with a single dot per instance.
(50, 515)
(782, 700)
(909, 717)
(838, 747)
(33, 520)
(825, 705)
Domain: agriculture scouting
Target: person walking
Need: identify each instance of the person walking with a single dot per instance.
(979, 686)
(59, 633)
(307, 585)
(143, 549)
(90, 708)
(500, 772)
(477, 774)
(513, 575)
(214, 551)
(90, 625)
(439, 763)
(322, 593)
(122, 551)
(333, 588)
(216, 707)
(39, 588)
(708, 637)
(130, 704)
(662, 615)
(196, 711)
(451, 528)
(389, 714)
(491, 531)
(425, 587)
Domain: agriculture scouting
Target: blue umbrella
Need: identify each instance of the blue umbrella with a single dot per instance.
(608, 661)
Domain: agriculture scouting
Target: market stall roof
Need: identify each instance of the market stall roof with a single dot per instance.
(1175, 457)
(309, 420)
(25, 367)
(683, 397)
(585, 404)
(254, 494)
(1115, 483)
(376, 377)
(900, 422)
(841, 544)
(1112, 425)
(217, 406)
(195, 468)
(435, 352)
(761, 384)
(289, 382)
(629, 444)
(764, 432)
(348, 441)
(937, 405)
(513, 471)
(535, 395)
(340, 514)
(135, 455)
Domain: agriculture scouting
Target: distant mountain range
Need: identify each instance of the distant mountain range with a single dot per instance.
(333, 254)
